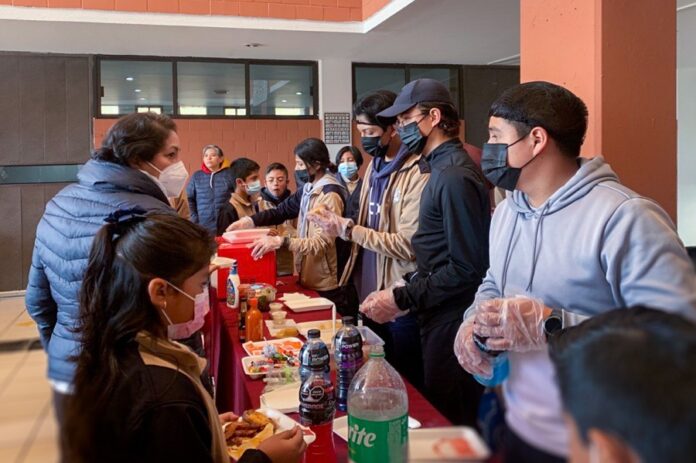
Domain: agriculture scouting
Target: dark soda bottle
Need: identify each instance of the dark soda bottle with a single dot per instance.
(313, 355)
(348, 355)
(317, 408)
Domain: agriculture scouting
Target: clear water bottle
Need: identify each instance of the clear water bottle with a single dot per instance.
(377, 413)
(317, 409)
(313, 355)
(499, 363)
(348, 355)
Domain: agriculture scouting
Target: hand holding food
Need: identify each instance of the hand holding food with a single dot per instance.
(285, 447)
(247, 432)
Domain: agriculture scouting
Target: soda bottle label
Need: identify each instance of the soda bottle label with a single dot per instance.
(372, 441)
(317, 402)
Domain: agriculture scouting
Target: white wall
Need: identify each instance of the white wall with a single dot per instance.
(335, 84)
(686, 154)
(686, 124)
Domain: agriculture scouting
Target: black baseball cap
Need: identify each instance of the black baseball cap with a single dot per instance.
(415, 92)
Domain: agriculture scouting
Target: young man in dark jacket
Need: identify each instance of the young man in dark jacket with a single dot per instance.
(451, 245)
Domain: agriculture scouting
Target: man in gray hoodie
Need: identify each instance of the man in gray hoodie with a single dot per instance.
(568, 242)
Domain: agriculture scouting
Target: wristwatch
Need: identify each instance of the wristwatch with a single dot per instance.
(553, 324)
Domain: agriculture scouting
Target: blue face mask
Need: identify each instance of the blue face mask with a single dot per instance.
(412, 137)
(348, 170)
(253, 187)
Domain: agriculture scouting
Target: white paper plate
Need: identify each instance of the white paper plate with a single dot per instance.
(256, 348)
(433, 444)
(244, 236)
(273, 328)
(294, 297)
(285, 399)
(324, 326)
(285, 423)
(308, 305)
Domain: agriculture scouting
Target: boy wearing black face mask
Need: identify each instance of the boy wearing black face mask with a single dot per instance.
(572, 241)
(450, 246)
(380, 237)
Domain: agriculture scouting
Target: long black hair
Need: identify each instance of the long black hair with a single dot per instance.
(135, 137)
(115, 305)
(314, 152)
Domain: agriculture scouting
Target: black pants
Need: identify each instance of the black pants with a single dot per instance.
(345, 298)
(60, 402)
(453, 391)
(403, 349)
(515, 450)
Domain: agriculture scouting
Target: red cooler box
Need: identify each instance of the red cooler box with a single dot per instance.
(250, 270)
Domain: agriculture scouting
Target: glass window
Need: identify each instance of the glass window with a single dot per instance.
(448, 76)
(210, 89)
(281, 90)
(63, 173)
(369, 79)
(126, 85)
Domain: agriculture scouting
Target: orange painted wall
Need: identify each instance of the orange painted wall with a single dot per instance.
(263, 140)
(619, 56)
(317, 10)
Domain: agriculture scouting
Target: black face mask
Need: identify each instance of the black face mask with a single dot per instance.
(302, 177)
(494, 163)
(372, 146)
(412, 137)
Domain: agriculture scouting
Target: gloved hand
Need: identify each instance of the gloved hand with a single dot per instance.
(381, 306)
(264, 245)
(331, 223)
(513, 324)
(468, 354)
(242, 224)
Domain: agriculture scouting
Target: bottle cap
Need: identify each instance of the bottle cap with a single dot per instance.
(347, 320)
(313, 333)
(377, 351)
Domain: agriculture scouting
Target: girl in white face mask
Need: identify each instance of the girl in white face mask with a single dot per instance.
(146, 283)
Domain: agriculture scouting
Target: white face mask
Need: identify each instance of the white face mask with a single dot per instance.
(201, 307)
(172, 179)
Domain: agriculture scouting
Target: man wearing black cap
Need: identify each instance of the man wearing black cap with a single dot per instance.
(451, 245)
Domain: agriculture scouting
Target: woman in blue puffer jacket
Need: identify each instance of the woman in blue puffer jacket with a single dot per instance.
(137, 165)
(209, 189)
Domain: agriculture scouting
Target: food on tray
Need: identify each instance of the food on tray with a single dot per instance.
(287, 333)
(453, 447)
(252, 428)
(287, 347)
(273, 358)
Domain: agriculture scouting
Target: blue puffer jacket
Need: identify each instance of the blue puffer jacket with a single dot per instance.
(207, 192)
(63, 240)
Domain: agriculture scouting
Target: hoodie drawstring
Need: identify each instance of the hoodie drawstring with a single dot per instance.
(211, 178)
(535, 252)
(508, 257)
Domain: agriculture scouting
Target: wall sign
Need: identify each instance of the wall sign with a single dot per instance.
(337, 128)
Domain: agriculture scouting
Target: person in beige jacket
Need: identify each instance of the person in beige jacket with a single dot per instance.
(381, 250)
(314, 250)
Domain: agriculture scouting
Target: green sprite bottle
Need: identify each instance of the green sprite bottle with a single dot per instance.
(377, 413)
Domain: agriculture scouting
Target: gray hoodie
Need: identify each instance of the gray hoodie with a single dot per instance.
(592, 246)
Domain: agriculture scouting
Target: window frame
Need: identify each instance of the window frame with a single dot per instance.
(407, 67)
(190, 59)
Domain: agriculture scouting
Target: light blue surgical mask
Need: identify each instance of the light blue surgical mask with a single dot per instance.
(253, 187)
(347, 170)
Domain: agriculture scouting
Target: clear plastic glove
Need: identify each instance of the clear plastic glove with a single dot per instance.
(331, 223)
(514, 324)
(381, 306)
(244, 223)
(285, 447)
(264, 245)
(468, 354)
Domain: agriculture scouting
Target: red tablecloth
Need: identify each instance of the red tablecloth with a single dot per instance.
(237, 392)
